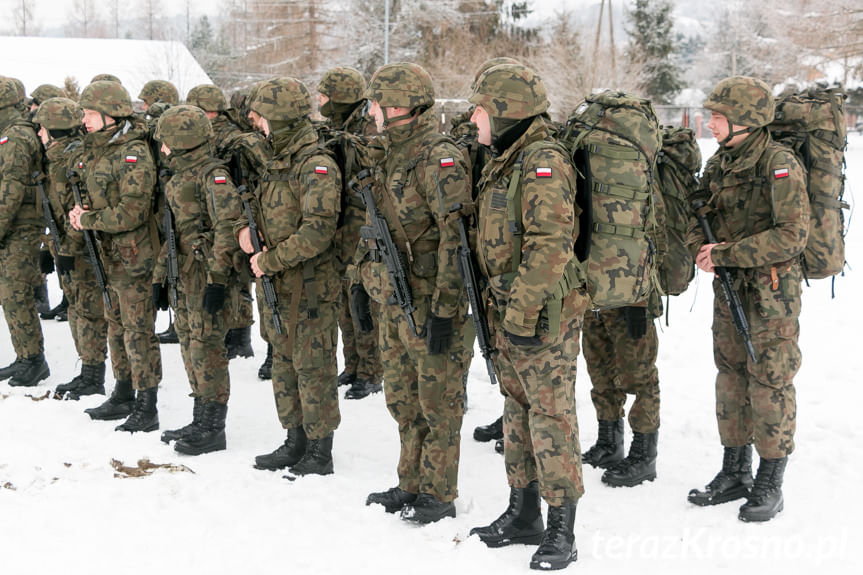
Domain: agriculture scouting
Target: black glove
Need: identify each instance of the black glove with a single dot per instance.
(636, 321)
(46, 262)
(214, 298)
(65, 264)
(360, 309)
(438, 334)
(523, 340)
(160, 296)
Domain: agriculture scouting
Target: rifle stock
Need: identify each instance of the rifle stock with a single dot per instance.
(90, 242)
(172, 276)
(48, 216)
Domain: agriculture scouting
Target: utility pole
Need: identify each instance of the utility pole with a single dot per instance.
(386, 31)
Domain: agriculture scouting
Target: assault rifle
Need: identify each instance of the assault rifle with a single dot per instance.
(379, 234)
(467, 270)
(90, 242)
(173, 265)
(738, 316)
(48, 215)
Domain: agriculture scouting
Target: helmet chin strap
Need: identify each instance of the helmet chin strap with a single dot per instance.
(732, 134)
(388, 120)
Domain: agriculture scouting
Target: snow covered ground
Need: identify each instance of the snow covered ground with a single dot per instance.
(63, 510)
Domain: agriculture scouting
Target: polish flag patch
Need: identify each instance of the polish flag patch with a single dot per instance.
(131, 159)
(781, 173)
(220, 180)
(447, 162)
(543, 172)
(3, 140)
(321, 170)
(80, 165)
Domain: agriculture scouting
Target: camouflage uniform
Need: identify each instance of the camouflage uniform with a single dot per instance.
(421, 175)
(21, 228)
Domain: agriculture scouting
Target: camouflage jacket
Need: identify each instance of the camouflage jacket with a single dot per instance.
(251, 149)
(299, 196)
(422, 174)
(57, 161)
(550, 221)
(20, 158)
(205, 207)
(119, 176)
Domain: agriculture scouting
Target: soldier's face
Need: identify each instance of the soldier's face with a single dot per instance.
(94, 121)
(378, 114)
(719, 127)
(483, 125)
(44, 136)
(165, 149)
(322, 99)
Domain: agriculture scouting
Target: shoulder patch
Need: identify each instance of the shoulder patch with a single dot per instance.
(3, 140)
(543, 172)
(780, 173)
(131, 159)
(447, 162)
(321, 170)
(220, 180)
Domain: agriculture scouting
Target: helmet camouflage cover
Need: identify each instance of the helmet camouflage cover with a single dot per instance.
(744, 100)
(401, 85)
(46, 91)
(282, 100)
(183, 127)
(9, 93)
(107, 77)
(59, 114)
(491, 63)
(207, 97)
(510, 91)
(107, 97)
(342, 85)
(159, 90)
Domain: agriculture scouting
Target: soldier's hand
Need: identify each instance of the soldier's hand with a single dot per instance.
(361, 309)
(65, 264)
(636, 321)
(704, 259)
(523, 340)
(439, 333)
(214, 298)
(160, 296)
(46, 262)
(253, 263)
(245, 239)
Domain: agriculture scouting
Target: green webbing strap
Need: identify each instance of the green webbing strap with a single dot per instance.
(310, 286)
(625, 192)
(618, 230)
(613, 152)
(513, 211)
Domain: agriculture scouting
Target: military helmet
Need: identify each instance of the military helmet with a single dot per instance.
(183, 127)
(105, 77)
(59, 114)
(744, 100)
(207, 97)
(9, 94)
(159, 90)
(342, 85)
(282, 100)
(401, 85)
(491, 63)
(107, 97)
(510, 91)
(46, 91)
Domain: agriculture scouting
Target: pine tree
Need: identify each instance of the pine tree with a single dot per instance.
(652, 48)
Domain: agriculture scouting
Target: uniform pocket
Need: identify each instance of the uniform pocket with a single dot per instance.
(777, 292)
(135, 251)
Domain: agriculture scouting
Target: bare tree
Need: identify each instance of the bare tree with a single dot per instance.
(22, 16)
(83, 21)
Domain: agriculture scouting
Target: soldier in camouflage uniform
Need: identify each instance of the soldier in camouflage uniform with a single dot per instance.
(341, 102)
(106, 78)
(299, 206)
(21, 228)
(118, 174)
(60, 131)
(758, 209)
(535, 313)
(205, 207)
(247, 155)
(418, 179)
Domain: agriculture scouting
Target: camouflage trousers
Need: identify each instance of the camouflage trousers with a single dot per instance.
(424, 394)
(19, 274)
(131, 334)
(86, 313)
(756, 402)
(305, 377)
(241, 314)
(617, 365)
(540, 425)
(360, 350)
(202, 338)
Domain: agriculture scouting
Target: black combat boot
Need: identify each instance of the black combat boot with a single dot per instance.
(65, 388)
(361, 388)
(521, 522)
(10, 370)
(92, 381)
(287, 454)
(491, 432)
(639, 466)
(209, 435)
(427, 508)
(40, 294)
(118, 406)
(346, 378)
(557, 548)
(266, 370)
(31, 371)
(499, 446)
(392, 499)
(169, 335)
(144, 416)
(197, 413)
(238, 342)
(608, 449)
(765, 500)
(318, 458)
(58, 312)
(732, 482)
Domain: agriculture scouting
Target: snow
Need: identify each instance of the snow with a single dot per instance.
(63, 510)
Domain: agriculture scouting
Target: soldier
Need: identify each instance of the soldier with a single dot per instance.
(106, 78)
(341, 102)
(758, 209)
(535, 313)
(205, 208)
(299, 201)
(421, 175)
(247, 155)
(21, 228)
(118, 174)
(41, 94)
(60, 131)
